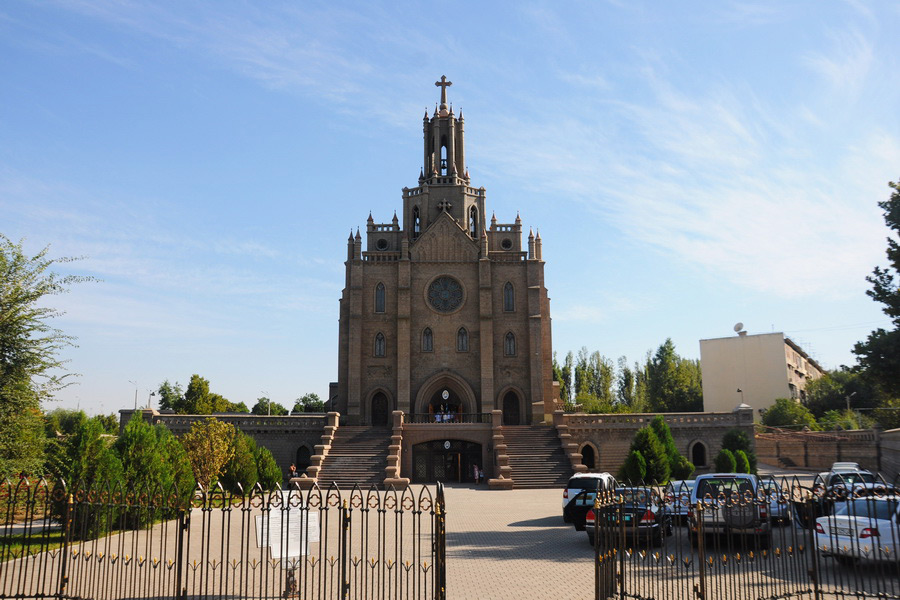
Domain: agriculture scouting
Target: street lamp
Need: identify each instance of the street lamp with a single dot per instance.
(134, 383)
(741, 392)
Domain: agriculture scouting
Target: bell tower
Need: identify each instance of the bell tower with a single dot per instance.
(443, 178)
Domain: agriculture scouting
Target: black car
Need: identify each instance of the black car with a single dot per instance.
(644, 515)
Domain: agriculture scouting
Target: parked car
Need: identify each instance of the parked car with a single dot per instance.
(579, 495)
(780, 506)
(643, 514)
(678, 498)
(861, 529)
(731, 505)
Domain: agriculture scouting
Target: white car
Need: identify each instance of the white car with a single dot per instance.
(583, 482)
(861, 529)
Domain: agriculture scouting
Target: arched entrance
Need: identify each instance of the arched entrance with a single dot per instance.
(444, 397)
(303, 459)
(698, 454)
(379, 410)
(588, 458)
(511, 413)
(445, 461)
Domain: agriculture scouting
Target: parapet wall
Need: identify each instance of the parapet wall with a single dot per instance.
(282, 435)
(818, 450)
(611, 435)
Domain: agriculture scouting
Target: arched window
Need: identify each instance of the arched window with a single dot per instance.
(427, 340)
(379, 298)
(462, 340)
(509, 297)
(416, 222)
(473, 222)
(509, 344)
(379, 344)
(443, 158)
(698, 454)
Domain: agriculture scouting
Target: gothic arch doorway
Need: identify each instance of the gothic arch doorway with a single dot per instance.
(303, 459)
(698, 454)
(512, 414)
(379, 410)
(589, 457)
(444, 397)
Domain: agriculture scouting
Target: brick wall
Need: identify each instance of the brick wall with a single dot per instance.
(818, 450)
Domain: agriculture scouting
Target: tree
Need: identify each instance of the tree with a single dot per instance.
(563, 375)
(725, 461)
(657, 462)
(879, 355)
(310, 403)
(741, 464)
(31, 371)
(625, 383)
(269, 473)
(265, 406)
(790, 414)
(241, 469)
(736, 440)
(152, 455)
(838, 388)
(209, 446)
(673, 382)
(171, 397)
(679, 466)
(635, 468)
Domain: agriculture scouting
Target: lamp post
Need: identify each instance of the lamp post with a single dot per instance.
(741, 392)
(134, 383)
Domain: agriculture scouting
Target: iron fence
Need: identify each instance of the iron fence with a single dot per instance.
(766, 539)
(105, 541)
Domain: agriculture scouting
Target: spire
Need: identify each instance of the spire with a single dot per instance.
(350, 239)
(443, 84)
(370, 219)
(358, 237)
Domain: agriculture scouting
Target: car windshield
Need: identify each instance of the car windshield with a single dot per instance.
(851, 478)
(634, 496)
(725, 485)
(867, 507)
(585, 483)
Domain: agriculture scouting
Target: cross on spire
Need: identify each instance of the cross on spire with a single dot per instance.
(443, 84)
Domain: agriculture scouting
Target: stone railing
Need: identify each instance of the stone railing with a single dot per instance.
(392, 471)
(632, 420)
(503, 481)
(308, 479)
(249, 424)
(565, 439)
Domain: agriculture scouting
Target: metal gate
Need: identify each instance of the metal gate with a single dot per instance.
(784, 540)
(104, 541)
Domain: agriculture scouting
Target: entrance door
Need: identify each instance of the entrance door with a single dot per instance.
(379, 410)
(445, 461)
(511, 415)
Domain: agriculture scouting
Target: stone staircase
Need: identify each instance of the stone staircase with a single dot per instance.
(536, 457)
(358, 455)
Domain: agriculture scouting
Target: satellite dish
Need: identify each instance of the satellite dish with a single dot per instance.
(738, 327)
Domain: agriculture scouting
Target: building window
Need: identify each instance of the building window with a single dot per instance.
(509, 344)
(379, 298)
(509, 297)
(379, 344)
(473, 222)
(427, 340)
(416, 222)
(462, 340)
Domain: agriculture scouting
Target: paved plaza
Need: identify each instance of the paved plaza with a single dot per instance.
(513, 544)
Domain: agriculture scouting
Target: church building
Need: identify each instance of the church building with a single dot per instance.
(444, 314)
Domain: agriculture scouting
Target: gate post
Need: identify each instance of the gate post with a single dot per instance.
(812, 545)
(345, 542)
(440, 556)
(181, 587)
(64, 555)
(700, 588)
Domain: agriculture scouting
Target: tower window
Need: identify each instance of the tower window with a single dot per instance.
(416, 222)
(427, 340)
(509, 344)
(473, 222)
(379, 298)
(379, 344)
(509, 297)
(462, 340)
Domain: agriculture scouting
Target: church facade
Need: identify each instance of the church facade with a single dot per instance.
(444, 313)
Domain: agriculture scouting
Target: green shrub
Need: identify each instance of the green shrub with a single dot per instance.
(683, 468)
(737, 439)
(241, 469)
(269, 473)
(725, 461)
(635, 468)
(657, 462)
(742, 465)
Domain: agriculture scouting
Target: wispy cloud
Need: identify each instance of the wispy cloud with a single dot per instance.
(846, 66)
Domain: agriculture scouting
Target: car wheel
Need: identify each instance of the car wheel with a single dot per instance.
(579, 526)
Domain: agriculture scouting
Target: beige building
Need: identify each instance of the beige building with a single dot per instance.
(754, 370)
(444, 310)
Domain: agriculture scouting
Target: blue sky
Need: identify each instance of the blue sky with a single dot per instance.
(688, 165)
